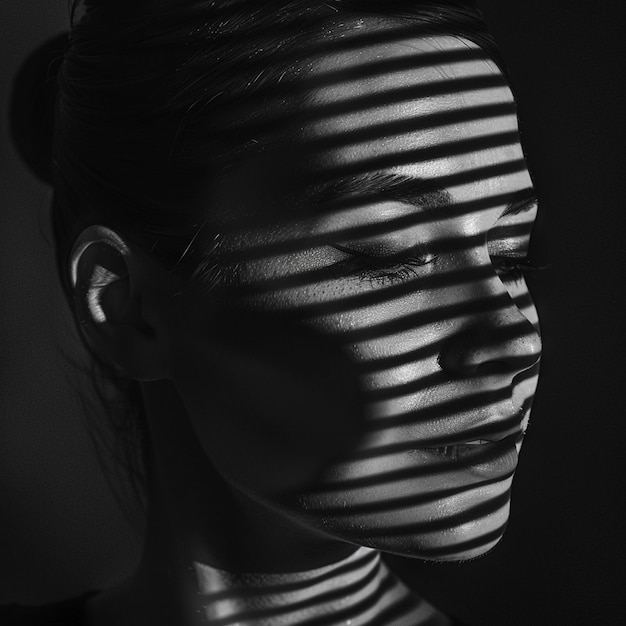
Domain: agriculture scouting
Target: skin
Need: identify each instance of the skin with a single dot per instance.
(371, 348)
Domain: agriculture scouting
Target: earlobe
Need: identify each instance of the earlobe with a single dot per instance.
(108, 303)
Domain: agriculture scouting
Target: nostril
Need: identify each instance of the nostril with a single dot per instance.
(483, 351)
(510, 365)
(494, 367)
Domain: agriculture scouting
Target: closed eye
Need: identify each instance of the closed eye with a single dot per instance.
(512, 269)
(382, 269)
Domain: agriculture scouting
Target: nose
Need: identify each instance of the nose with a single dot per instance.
(504, 342)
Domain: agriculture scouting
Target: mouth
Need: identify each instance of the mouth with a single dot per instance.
(469, 450)
(505, 430)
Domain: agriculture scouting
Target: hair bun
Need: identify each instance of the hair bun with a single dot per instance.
(32, 106)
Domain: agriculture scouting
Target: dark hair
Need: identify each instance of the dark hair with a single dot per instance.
(143, 115)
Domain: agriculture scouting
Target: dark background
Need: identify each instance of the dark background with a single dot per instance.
(562, 559)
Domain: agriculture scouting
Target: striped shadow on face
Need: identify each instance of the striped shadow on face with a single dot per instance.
(394, 224)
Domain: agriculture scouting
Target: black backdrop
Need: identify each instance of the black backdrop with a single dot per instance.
(562, 558)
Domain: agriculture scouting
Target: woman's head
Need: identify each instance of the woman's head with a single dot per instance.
(158, 98)
(314, 227)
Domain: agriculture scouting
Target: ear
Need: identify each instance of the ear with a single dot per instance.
(109, 282)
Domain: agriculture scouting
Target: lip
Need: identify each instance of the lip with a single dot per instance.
(487, 460)
(466, 448)
(485, 435)
(490, 431)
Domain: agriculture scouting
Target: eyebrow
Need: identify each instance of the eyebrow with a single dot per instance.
(376, 186)
(419, 192)
(521, 202)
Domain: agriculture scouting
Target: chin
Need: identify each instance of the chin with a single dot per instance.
(459, 528)
(464, 542)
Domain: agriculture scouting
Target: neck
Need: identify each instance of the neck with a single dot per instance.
(355, 590)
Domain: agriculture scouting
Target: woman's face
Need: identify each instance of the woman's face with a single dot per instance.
(394, 231)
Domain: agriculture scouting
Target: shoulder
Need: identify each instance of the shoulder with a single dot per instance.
(64, 613)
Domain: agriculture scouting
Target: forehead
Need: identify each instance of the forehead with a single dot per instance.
(400, 62)
(410, 81)
(434, 109)
(427, 107)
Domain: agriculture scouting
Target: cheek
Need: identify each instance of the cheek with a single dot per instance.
(523, 300)
(275, 402)
(321, 407)
(388, 492)
(272, 403)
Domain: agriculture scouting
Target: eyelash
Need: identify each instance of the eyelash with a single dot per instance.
(398, 268)
(513, 269)
(384, 270)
